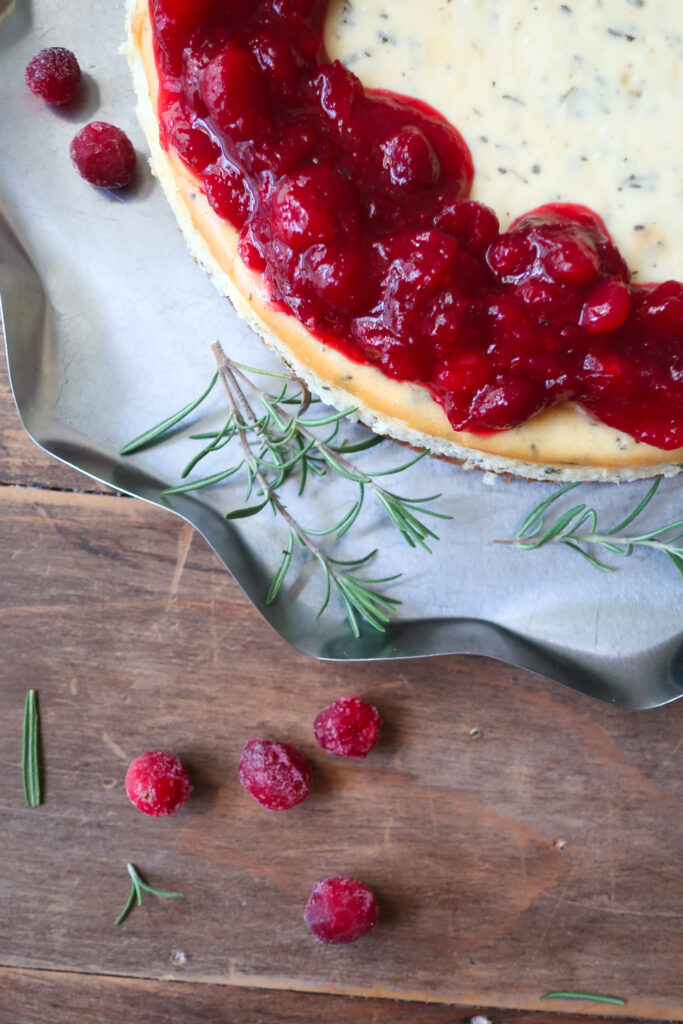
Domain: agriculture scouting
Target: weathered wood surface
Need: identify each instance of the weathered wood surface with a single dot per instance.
(520, 837)
(26, 997)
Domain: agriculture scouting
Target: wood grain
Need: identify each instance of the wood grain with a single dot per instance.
(26, 997)
(520, 837)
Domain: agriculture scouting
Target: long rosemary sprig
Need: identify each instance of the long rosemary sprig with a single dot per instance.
(30, 765)
(277, 440)
(136, 890)
(577, 529)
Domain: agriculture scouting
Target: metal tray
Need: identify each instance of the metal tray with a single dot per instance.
(107, 328)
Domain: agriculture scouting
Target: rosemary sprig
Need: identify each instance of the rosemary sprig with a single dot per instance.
(136, 889)
(277, 442)
(577, 529)
(30, 766)
(593, 997)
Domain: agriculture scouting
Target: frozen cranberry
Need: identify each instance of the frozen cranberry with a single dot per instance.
(54, 75)
(103, 155)
(158, 783)
(340, 910)
(317, 205)
(607, 307)
(348, 727)
(228, 193)
(234, 93)
(409, 159)
(277, 775)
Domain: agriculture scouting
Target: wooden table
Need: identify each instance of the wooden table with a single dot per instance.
(520, 837)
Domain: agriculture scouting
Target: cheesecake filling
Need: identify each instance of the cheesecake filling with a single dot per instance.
(354, 205)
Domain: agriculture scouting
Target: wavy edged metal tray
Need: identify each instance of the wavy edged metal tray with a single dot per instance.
(107, 324)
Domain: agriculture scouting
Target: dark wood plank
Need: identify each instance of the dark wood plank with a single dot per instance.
(34, 997)
(520, 837)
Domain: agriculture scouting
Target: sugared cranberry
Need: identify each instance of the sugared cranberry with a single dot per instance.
(103, 155)
(317, 205)
(158, 783)
(606, 308)
(409, 159)
(348, 727)
(234, 93)
(340, 910)
(277, 775)
(228, 193)
(54, 75)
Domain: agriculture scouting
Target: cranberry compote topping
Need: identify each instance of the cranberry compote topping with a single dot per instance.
(54, 75)
(354, 206)
(340, 910)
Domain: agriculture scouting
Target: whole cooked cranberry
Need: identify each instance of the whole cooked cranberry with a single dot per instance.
(607, 307)
(103, 155)
(158, 783)
(315, 205)
(409, 159)
(572, 259)
(193, 144)
(510, 256)
(338, 274)
(277, 775)
(662, 308)
(235, 94)
(348, 727)
(279, 62)
(183, 10)
(506, 402)
(54, 75)
(228, 193)
(340, 910)
(338, 90)
(473, 222)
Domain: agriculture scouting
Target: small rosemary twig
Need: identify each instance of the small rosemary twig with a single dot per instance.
(577, 529)
(30, 766)
(274, 444)
(137, 886)
(592, 997)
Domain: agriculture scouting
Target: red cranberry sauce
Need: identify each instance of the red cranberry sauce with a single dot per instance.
(353, 204)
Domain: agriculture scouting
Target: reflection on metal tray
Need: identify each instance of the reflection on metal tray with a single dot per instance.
(107, 329)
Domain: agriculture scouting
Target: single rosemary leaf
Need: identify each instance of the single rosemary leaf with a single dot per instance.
(207, 481)
(155, 433)
(537, 514)
(639, 507)
(135, 895)
(30, 766)
(245, 513)
(279, 577)
(593, 997)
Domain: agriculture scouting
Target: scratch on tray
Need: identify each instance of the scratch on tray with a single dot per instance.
(184, 542)
(114, 747)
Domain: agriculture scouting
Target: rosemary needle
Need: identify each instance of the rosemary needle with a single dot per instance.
(30, 766)
(136, 889)
(592, 997)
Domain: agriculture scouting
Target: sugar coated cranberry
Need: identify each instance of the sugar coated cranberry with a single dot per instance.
(103, 155)
(158, 783)
(348, 727)
(340, 910)
(277, 775)
(54, 75)
(409, 159)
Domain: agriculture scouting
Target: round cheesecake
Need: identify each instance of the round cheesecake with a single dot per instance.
(562, 442)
